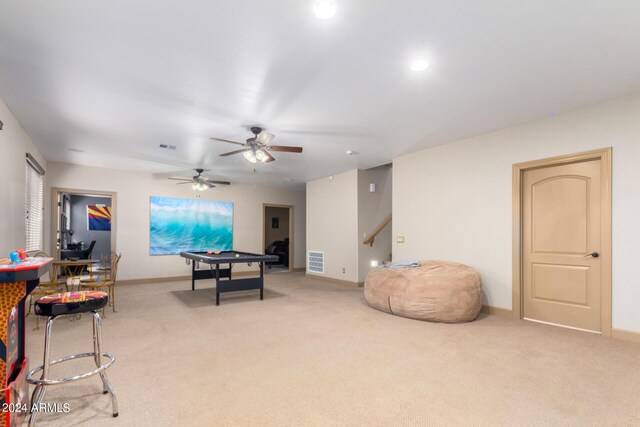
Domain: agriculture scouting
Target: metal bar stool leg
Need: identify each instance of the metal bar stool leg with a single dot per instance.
(38, 392)
(98, 351)
(65, 305)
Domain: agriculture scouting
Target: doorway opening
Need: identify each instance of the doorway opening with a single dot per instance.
(277, 236)
(562, 241)
(83, 224)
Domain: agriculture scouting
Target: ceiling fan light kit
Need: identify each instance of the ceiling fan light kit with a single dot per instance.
(199, 182)
(250, 156)
(257, 149)
(199, 186)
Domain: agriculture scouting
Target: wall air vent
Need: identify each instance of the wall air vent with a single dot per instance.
(315, 262)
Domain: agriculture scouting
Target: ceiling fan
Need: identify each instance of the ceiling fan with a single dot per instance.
(199, 182)
(257, 148)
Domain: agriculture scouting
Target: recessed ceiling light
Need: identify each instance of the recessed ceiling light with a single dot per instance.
(350, 152)
(324, 9)
(75, 150)
(419, 65)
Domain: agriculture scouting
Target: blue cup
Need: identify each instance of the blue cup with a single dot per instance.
(15, 257)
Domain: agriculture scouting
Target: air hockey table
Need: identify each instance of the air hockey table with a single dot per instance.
(17, 281)
(219, 271)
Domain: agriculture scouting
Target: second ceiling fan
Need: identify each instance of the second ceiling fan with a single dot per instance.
(257, 149)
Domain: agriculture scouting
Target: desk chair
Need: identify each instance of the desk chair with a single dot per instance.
(89, 251)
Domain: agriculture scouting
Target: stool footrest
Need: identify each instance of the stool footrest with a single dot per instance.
(55, 381)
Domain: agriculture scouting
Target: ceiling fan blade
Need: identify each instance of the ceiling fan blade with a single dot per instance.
(182, 183)
(285, 149)
(270, 157)
(226, 140)
(265, 137)
(180, 179)
(230, 153)
(217, 182)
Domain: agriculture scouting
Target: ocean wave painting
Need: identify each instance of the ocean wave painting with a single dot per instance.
(178, 225)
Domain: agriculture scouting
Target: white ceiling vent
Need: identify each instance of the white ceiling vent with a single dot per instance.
(315, 262)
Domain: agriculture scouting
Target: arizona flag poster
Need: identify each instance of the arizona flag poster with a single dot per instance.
(99, 218)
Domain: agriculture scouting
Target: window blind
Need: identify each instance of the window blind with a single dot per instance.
(34, 206)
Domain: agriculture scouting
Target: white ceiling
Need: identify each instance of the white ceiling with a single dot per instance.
(116, 78)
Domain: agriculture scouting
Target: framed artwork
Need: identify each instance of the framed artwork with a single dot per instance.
(275, 222)
(98, 218)
(178, 225)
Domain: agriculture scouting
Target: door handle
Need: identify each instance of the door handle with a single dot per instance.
(595, 255)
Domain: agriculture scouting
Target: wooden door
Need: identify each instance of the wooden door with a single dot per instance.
(561, 244)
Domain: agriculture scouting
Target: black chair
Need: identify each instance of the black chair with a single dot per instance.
(280, 248)
(283, 252)
(71, 253)
(88, 251)
(79, 253)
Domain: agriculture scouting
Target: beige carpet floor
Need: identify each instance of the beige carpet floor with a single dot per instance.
(314, 354)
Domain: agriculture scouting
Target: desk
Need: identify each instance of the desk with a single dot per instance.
(16, 283)
(231, 258)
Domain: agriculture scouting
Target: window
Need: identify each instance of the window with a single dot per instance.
(34, 206)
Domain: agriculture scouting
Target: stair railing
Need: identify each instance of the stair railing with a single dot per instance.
(372, 237)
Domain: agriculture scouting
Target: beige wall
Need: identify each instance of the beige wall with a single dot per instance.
(373, 209)
(332, 223)
(341, 213)
(132, 214)
(14, 144)
(453, 202)
(280, 233)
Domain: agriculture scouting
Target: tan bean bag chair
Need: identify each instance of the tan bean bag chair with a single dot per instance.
(437, 291)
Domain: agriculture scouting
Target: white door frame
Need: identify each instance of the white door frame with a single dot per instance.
(291, 228)
(55, 215)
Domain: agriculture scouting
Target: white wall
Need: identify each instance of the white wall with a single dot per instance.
(332, 223)
(373, 209)
(453, 202)
(14, 144)
(132, 214)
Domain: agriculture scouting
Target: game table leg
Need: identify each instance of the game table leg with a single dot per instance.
(261, 280)
(193, 276)
(217, 284)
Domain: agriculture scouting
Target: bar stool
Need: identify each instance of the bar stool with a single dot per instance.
(54, 307)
